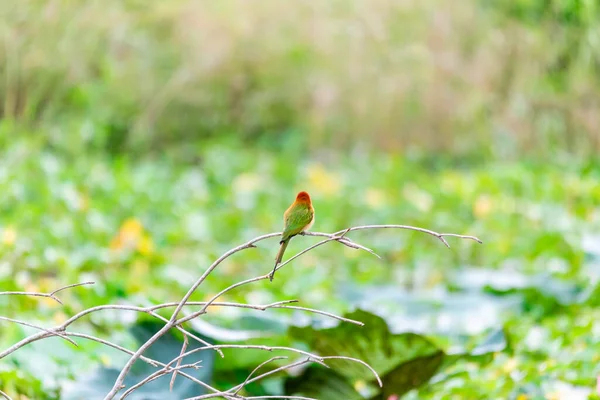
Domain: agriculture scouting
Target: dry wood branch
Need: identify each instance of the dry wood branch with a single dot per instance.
(172, 322)
(256, 369)
(150, 361)
(279, 397)
(315, 311)
(257, 378)
(7, 397)
(314, 357)
(58, 331)
(264, 375)
(183, 349)
(157, 375)
(337, 236)
(49, 332)
(51, 295)
(175, 321)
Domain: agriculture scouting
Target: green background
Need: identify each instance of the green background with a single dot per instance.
(142, 139)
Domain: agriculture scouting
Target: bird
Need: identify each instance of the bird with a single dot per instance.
(298, 218)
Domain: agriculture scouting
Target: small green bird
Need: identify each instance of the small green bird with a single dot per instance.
(299, 217)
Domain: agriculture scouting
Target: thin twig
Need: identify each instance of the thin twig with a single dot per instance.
(150, 361)
(256, 369)
(438, 235)
(225, 304)
(183, 349)
(50, 295)
(312, 310)
(314, 357)
(279, 397)
(147, 360)
(7, 397)
(48, 331)
(257, 378)
(354, 245)
(358, 361)
(172, 322)
(62, 328)
(262, 376)
(157, 375)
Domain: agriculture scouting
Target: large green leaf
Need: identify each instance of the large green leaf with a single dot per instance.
(404, 361)
(411, 374)
(373, 343)
(321, 383)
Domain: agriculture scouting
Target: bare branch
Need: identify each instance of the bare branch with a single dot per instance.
(7, 397)
(72, 286)
(314, 357)
(175, 322)
(150, 361)
(262, 376)
(49, 332)
(349, 243)
(312, 310)
(157, 375)
(358, 361)
(183, 349)
(225, 304)
(256, 369)
(438, 235)
(149, 310)
(279, 397)
(48, 295)
(61, 328)
(172, 322)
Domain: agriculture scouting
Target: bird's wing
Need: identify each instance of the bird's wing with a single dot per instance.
(296, 220)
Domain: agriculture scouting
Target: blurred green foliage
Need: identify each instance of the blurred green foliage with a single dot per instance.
(141, 139)
(480, 78)
(144, 231)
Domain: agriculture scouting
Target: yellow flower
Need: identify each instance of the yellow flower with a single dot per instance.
(9, 236)
(132, 236)
(145, 245)
(375, 198)
(323, 181)
(483, 206)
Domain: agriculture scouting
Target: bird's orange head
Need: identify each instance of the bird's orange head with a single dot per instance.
(303, 197)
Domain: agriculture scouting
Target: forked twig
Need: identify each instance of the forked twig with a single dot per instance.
(256, 369)
(51, 295)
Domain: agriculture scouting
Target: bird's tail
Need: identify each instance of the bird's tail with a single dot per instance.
(279, 257)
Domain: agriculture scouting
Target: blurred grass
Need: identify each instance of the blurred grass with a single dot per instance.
(477, 79)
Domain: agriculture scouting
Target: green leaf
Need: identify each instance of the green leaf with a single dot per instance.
(411, 374)
(389, 354)
(321, 383)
